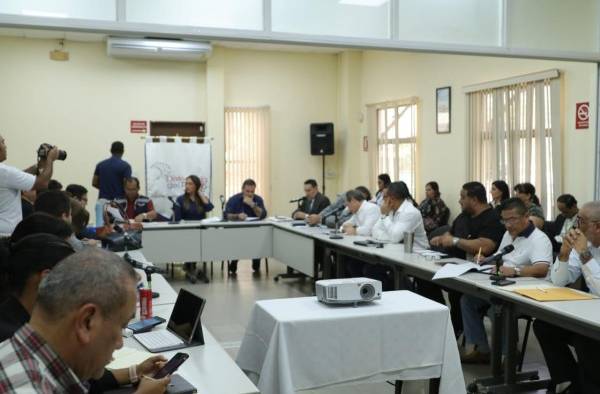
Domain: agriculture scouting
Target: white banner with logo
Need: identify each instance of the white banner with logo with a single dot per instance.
(167, 166)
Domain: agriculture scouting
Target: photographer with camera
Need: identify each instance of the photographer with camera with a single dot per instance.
(13, 181)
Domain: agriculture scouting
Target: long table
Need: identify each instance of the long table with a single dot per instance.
(295, 246)
(209, 368)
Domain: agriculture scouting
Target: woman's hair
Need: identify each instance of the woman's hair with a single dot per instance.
(504, 189)
(385, 178)
(80, 217)
(435, 187)
(31, 254)
(527, 188)
(186, 198)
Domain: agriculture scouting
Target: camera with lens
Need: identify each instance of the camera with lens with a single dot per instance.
(43, 150)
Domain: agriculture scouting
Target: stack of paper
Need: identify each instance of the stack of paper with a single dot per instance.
(127, 356)
(553, 294)
(454, 270)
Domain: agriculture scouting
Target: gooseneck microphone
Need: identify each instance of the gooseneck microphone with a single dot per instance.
(496, 256)
(297, 200)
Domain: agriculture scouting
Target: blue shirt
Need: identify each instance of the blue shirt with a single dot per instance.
(193, 211)
(111, 175)
(236, 205)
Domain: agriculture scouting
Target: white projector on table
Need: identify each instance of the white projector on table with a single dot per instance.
(348, 291)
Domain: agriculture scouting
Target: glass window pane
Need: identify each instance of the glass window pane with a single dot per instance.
(390, 124)
(406, 165)
(349, 18)
(231, 14)
(554, 24)
(79, 9)
(405, 121)
(472, 22)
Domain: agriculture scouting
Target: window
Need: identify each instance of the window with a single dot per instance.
(247, 149)
(397, 142)
(514, 136)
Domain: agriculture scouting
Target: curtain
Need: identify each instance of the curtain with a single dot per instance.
(247, 149)
(514, 135)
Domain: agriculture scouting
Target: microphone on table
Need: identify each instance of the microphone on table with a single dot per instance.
(334, 212)
(297, 200)
(496, 256)
(175, 203)
(148, 269)
(222, 199)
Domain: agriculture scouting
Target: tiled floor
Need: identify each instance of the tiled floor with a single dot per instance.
(230, 301)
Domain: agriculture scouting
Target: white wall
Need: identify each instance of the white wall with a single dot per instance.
(86, 103)
(389, 76)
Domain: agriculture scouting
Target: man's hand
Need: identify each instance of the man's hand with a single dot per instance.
(507, 271)
(248, 201)
(242, 216)
(442, 240)
(151, 365)
(385, 209)
(565, 249)
(300, 215)
(349, 229)
(139, 218)
(52, 154)
(151, 386)
(314, 219)
(577, 240)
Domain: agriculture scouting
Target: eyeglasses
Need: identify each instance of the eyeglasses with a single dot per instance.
(579, 220)
(512, 220)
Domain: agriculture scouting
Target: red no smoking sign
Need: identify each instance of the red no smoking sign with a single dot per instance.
(582, 115)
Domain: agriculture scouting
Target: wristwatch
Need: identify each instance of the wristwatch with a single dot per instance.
(455, 241)
(585, 256)
(517, 271)
(145, 215)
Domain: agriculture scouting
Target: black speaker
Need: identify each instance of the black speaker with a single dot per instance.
(321, 139)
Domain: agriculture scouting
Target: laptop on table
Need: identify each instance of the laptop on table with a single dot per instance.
(183, 328)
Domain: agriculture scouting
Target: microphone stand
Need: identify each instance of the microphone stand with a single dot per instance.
(223, 208)
(336, 233)
(173, 205)
(148, 270)
(497, 276)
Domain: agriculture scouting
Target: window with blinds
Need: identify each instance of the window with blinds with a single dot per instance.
(247, 149)
(397, 142)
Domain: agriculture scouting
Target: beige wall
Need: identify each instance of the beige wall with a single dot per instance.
(86, 103)
(390, 76)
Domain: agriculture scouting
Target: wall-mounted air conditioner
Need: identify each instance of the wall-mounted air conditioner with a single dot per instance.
(158, 49)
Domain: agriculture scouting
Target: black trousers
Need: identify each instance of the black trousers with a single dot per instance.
(232, 267)
(434, 292)
(562, 366)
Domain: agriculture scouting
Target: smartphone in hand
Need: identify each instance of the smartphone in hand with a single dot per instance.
(171, 366)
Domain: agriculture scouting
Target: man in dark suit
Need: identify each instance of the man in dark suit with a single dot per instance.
(313, 201)
(567, 205)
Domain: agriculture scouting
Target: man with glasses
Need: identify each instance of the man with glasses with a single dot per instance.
(579, 256)
(531, 257)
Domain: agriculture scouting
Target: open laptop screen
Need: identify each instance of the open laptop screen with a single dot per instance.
(186, 315)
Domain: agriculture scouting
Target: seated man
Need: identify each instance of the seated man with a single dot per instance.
(328, 215)
(566, 219)
(312, 203)
(79, 193)
(242, 206)
(81, 307)
(364, 214)
(399, 214)
(579, 257)
(531, 257)
(136, 207)
(58, 204)
(476, 229)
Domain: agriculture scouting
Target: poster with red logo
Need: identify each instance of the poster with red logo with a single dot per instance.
(582, 115)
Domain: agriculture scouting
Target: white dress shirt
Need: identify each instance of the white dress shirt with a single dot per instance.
(532, 246)
(566, 272)
(364, 219)
(12, 182)
(406, 218)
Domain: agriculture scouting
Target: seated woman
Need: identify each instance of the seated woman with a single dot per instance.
(192, 205)
(526, 192)
(500, 192)
(383, 181)
(34, 250)
(434, 211)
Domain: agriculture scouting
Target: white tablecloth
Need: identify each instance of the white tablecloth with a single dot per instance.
(299, 343)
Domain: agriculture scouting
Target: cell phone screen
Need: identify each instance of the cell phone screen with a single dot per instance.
(147, 324)
(171, 366)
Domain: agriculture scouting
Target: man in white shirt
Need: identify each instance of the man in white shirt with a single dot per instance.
(399, 215)
(531, 257)
(364, 214)
(13, 181)
(579, 256)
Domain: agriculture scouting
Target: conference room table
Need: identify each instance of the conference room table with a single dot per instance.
(209, 368)
(298, 246)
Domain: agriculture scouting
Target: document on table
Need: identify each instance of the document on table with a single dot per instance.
(281, 219)
(127, 356)
(454, 270)
(553, 294)
(214, 219)
(115, 213)
(252, 219)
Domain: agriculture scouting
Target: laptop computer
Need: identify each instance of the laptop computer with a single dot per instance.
(183, 328)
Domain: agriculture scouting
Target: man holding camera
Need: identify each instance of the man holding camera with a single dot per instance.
(13, 181)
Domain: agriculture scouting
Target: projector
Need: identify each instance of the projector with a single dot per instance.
(348, 291)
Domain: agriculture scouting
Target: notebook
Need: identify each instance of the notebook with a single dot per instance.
(183, 328)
